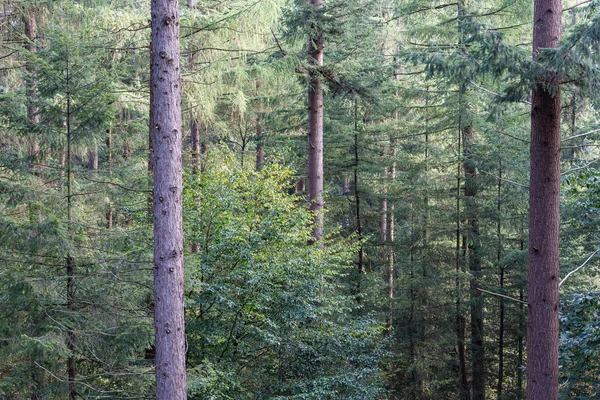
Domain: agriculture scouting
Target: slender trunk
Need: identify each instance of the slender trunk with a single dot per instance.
(196, 167)
(70, 265)
(169, 322)
(391, 238)
(315, 127)
(93, 158)
(361, 268)
(260, 152)
(151, 159)
(463, 384)
(474, 257)
(109, 147)
(499, 386)
(195, 133)
(383, 210)
(30, 23)
(544, 218)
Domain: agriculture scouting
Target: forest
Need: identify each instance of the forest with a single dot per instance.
(299, 199)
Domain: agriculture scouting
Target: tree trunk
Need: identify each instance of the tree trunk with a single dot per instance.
(544, 218)
(93, 158)
(474, 257)
(30, 23)
(315, 127)
(169, 323)
(260, 151)
(391, 237)
(361, 268)
(499, 386)
(196, 166)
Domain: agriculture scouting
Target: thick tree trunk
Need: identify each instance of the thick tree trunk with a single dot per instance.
(474, 257)
(169, 323)
(315, 127)
(544, 218)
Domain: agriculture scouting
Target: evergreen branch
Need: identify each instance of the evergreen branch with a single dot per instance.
(580, 135)
(506, 180)
(438, 7)
(278, 44)
(578, 268)
(117, 185)
(502, 295)
(494, 93)
(579, 168)
(512, 136)
(576, 5)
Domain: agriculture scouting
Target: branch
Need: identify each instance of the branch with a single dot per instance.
(576, 5)
(494, 93)
(278, 44)
(117, 185)
(506, 180)
(580, 135)
(582, 167)
(578, 268)
(514, 137)
(502, 295)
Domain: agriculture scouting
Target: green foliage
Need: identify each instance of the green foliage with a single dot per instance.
(265, 314)
(579, 344)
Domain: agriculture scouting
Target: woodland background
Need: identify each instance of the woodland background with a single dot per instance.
(426, 169)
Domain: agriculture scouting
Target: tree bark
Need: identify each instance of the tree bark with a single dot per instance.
(196, 165)
(315, 127)
(93, 158)
(474, 257)
(544, 218)
(500, 384)
(30, 23)
(260, 151)
(169, 323)
(463, 383)
(391, 237)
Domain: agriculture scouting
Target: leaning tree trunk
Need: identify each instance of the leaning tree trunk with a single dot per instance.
(169, 324)
(544, 219)
(315, 126)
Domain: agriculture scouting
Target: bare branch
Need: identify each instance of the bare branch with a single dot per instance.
(506, 180)
(502, 295)
(580, 135)
(582, 167)
(578, 268)
(576, 5)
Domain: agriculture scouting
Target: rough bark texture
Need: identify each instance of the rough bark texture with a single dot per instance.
(474, 256)
(544, 218)
(315, 127)
(169, 321)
